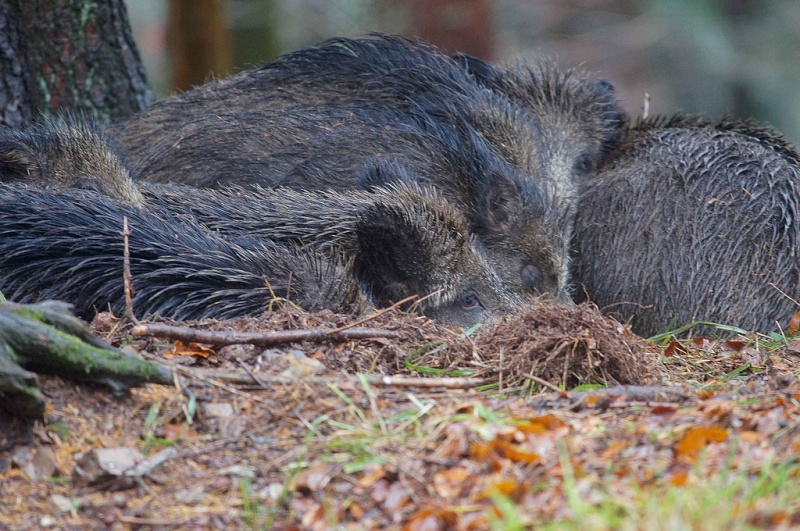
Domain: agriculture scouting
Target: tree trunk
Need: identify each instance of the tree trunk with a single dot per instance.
(199, 43)
(68, 55)
(60, 56)
(464, 26)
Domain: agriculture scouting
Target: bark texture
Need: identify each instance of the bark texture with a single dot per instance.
(61, 56)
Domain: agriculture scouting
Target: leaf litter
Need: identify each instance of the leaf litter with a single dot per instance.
(571, 411)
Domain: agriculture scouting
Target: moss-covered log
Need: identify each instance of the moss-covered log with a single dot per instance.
(47, 338)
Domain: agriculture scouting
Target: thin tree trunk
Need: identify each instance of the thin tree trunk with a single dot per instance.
(199, 43)
(455, 25)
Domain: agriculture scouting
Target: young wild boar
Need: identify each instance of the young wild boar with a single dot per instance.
(506, 153)
(692, 220)
(66, 244)
(65, 153)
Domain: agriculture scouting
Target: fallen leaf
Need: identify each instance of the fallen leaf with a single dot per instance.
(396, 498)
(371, 475)
(539, 425)
(674, 348)
(432, 519)
(513, 452)
(450, 483)
(697, 438)
(735, 344)
(663, 410)
(192, 349)
(794, 324)
(180, 431)
(315, 477)
(614, 448)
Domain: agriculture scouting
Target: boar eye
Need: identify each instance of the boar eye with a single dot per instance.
(531, 276)
(471, 302)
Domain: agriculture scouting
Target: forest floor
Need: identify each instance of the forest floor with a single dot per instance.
(427, 428)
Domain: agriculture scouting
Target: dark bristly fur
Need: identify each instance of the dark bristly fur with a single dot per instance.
(66, 244)
(693, 220)
(426, 237)
(64, 153)
(317, 117)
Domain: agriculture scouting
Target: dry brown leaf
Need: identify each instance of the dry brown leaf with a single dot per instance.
(432, 519)
(794, 324)
(192, 349)
(696, 439)
(674, 348)
(315, 477)
(450, 483)
(371, 475)
(396, 498)
(614, 449)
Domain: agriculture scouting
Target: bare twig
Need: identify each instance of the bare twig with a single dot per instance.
(374, 315)
(127, 278)
(211, 337)
(243, 378)
(646, 395)
(253, 375)
(147, 466)
(544, 383)
(646, 106)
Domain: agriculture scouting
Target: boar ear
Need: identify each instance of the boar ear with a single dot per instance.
(18, 160)
(480, 70)
(498, 203)
(392, 255)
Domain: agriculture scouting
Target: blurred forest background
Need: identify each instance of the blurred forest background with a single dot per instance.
(709, 57)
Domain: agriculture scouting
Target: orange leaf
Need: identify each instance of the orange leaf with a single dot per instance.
(449, 483)
(192, 349)
(752, 437)
(174, 432)
(592, 400)
(512, 451)
(504, 486)
(371, 475)
(539, 425)
(356, 510)
(794, 324)
(698, 438)
(674, 348)
(479, 452)
(432, 519)
(663, 410)
(679, 479)
(614, 449)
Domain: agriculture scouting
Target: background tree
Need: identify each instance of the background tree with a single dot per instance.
(199, 42)
(77, 55)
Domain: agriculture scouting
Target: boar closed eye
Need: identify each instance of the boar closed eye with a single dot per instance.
(531, 276)
(471, 302)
